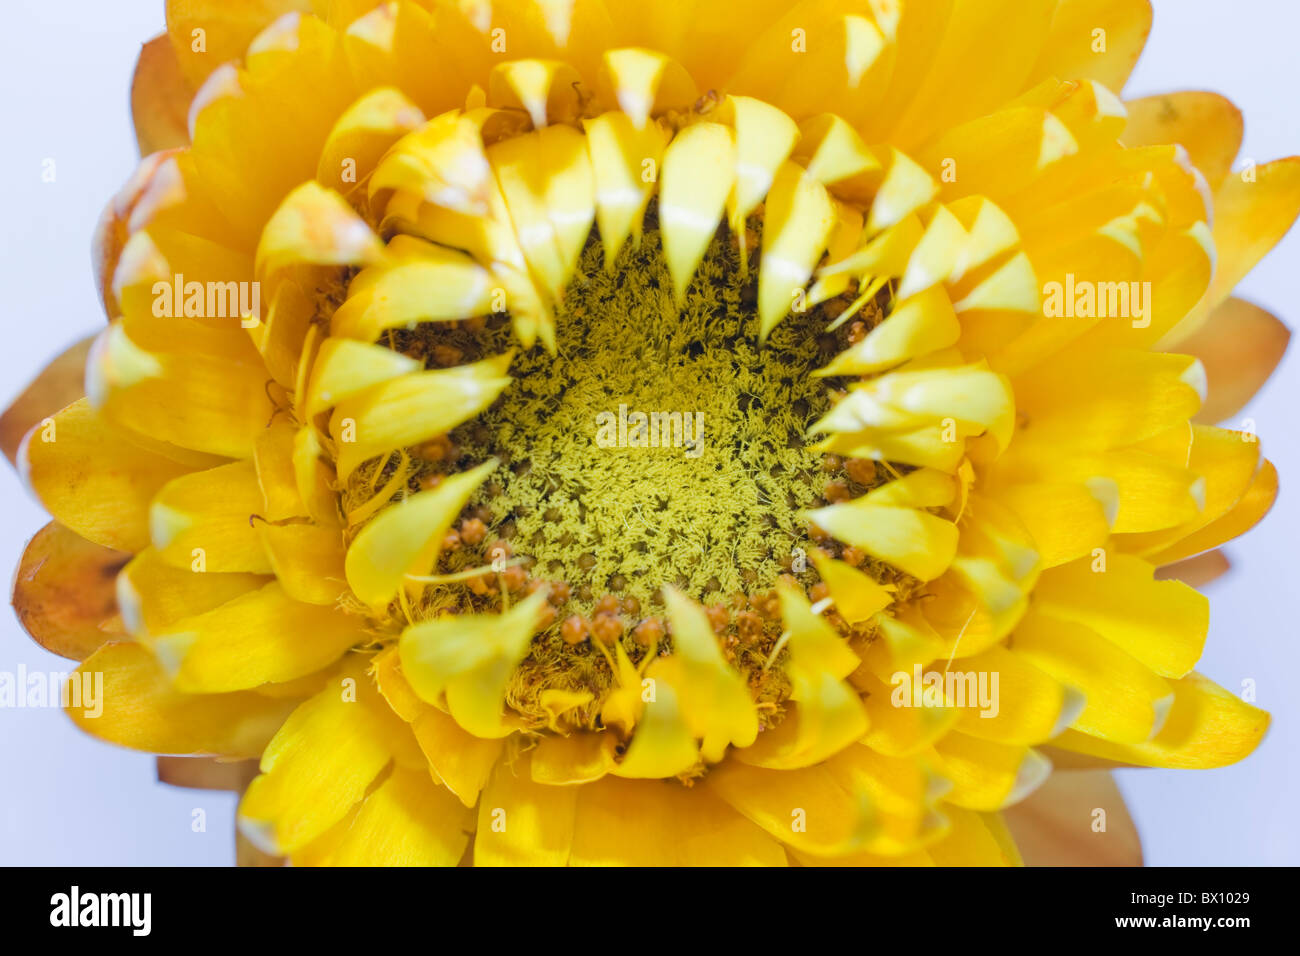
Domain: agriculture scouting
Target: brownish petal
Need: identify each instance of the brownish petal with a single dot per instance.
(248, 855)
(59, 385)
(1240, 345)
(160, 98)
(1070, 760)
(1198, 571)
(64, 592)
(206, 773)
(1059, 823)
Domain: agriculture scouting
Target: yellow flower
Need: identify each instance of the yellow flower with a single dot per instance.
(588, 432)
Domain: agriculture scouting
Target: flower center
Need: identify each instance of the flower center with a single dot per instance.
(656, 447)
(660, 445)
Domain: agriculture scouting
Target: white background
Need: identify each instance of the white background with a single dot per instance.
(65, 67)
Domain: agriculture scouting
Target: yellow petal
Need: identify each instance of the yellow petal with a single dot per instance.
(319, 765)
(699, 170)
(676, 826)
(918, 325)
(1124, 700)
(1027, 706)
(225, 30)
(1248, 512)
(521, 822)
(857, 597)
(916, 542)
(1207, 727)
(644, 82)
(460, 760)
(1253, 210)
(362, 135)
(798, 218)
(315, 226)
(948, 93)
(143, 711)
(718, 705)
(152, 594)
(190, 400)
(470, 658)
(345, 367)
(406, 537)
(663, 744)
(975, 839)
(1071, 51)
(92, 479)
(579, 758)
(808, 809)
(408, 820)
(987, 775)
(205, 520)
(414, 408)
(624, 163)
(262, 637)
(901, 731)
(765, 137)
(1160, 623)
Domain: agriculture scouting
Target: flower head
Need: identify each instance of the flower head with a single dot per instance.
(600, 433)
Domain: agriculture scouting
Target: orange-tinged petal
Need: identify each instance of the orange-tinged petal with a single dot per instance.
(1207, 125)
(1253, 210)
(460, 760)
(160, 98)
(207, 33)
(60, 384)
(1240, 345)
(1245, 514)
